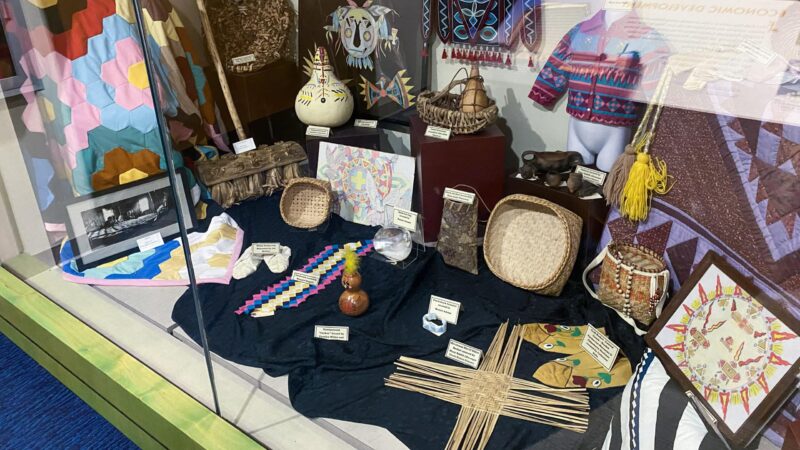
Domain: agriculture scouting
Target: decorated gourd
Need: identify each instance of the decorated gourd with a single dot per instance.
(474, 98)
(324, 101)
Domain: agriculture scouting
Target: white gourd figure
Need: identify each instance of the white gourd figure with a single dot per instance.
(324, 101)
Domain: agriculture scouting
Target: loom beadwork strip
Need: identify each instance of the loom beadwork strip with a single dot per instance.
(289, 293)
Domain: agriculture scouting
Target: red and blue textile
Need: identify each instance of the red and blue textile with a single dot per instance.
(601, 69)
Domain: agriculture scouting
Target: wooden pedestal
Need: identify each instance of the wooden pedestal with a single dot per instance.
(475, 160)
(346, 135)
(593, 212)
(260, 94)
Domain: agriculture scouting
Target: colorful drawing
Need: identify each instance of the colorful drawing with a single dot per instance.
(730, 347)
(366, 182)
(397, 90)
(361, 29)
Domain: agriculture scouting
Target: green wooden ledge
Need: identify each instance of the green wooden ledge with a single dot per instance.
(148, 409)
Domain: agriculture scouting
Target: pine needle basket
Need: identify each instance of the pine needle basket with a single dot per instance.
(532, 243)
(306, 202)
(250, 33)
(442, 109)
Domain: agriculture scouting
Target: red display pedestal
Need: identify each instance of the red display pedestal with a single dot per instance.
(475, 160)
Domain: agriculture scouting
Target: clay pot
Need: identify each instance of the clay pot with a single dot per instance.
(324, 101)
(353, 301)
(574, 182)
(553, 179)
(474, 98)
(552, 161)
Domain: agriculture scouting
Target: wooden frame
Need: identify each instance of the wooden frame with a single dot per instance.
(86, 254)
(777, 394)
(148, 409)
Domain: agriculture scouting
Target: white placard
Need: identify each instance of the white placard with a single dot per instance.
(463, 353)
(438, 133)
(244, 59)
(306, 278)
(404, 218)
(331, 333)
(596, 177)
(316, 131)
(244, 146)
(459, 196)
(366, 123)
(445, 309)
(266, 248)
(150, 242)
(758, 52)
(600, 348)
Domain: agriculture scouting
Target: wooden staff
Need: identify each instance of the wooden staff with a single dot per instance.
(223, 80)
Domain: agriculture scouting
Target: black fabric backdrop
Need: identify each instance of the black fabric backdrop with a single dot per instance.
(344, 380)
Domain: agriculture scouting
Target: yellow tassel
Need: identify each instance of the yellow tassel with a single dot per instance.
(648, 176)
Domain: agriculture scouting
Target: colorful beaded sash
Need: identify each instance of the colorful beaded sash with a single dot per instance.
(289, 293)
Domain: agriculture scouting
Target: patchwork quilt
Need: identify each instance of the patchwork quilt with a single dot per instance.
(214, 253)
(737, 193)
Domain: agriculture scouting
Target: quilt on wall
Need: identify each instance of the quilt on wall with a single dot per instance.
(88, 120)
(737, 193)
(367, 184)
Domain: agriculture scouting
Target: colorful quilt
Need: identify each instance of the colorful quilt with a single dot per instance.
(88, 118)
(737, 193)
(214, 253)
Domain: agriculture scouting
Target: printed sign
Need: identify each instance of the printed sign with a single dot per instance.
(596, 177)
(306, 278)
(150, 242)
(438, 133)
(244, 146)
(266, 248)
(599, 347)
(318, 131)
(330, 333)
(244, 59)
(445, 309)
(364, 123)
(459, 196)
(757, 52)
(404, 218)
(463, 353)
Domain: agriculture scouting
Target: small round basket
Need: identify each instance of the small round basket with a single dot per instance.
(306, 202)
(441, 109)
(532, 243)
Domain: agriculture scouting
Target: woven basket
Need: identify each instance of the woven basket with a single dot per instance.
(255, 31)
(306, 202)
(441, 109)
(532, 243)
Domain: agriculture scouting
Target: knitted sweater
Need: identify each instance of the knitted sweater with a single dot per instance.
(602, 69)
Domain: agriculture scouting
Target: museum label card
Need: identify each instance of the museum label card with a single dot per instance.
(463, 353)
(445, 309)
(266, 248)
(244, 59)
(596, 177)
(404, 218)
(330, 333)
(438, 133)
(150, 242)
(459, 196)
(599, 347)
(244, 146)
(365, 123)
(306, 278)
(318, 131)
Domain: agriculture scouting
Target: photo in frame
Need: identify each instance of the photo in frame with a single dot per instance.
(734, 348)
(365, 183)
(106, 225)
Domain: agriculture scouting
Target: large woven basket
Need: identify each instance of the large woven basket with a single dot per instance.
(441, 109)
(306, 202)
(532, 243)
(250, 33)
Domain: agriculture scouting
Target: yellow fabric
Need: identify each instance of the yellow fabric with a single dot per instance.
(132, 175)
(201, 210)
(137, 75)
(556, 338)
(171, 268)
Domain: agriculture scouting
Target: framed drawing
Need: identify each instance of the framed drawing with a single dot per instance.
(731, 346)
(104, 226)
(366, 183)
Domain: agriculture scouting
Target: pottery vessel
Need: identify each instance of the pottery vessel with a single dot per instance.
(574, 182)
(551, 161)
(324, 101)
(353, 301)
(553, 179)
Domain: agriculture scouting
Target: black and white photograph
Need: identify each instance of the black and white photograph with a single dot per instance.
(133, 217)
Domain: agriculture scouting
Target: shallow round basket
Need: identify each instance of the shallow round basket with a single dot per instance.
(306, 202)
(441, 110)
(532, 243)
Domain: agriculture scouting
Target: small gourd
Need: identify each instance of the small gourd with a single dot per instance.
(474, 98)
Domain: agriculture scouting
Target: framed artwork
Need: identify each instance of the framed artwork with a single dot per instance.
(104, 226)
(731, 346)
(367, 183)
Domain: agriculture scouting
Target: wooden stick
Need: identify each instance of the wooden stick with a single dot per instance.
(223, 80)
